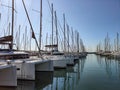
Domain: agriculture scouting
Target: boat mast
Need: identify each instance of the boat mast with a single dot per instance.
(18, 46)
(72, 39)
(11, 46)
(117, 41)
(40, 25)
(68, 36)
(52, 26)
(77, 42)
(31, 28)
(56, 29)
(9, 29)
(64, 34)
(46, 40)
(30, 38)
(25, 37)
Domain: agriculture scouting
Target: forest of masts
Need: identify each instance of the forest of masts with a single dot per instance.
(108, 45)
(65, 37)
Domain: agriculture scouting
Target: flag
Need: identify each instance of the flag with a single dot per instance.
(33, 35)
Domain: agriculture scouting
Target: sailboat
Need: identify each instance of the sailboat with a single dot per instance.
(59, 61)
(26, 66)
(116, 52)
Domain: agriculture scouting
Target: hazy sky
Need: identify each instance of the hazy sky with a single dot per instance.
(92, 18)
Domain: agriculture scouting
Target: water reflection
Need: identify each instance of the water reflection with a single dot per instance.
(7, 88)
(91, 73)
(108, 67)
(67, 79)
(64, 79)
(118, 68)
(43, 79)
(111, 66)
(59, 79)
(26, 85)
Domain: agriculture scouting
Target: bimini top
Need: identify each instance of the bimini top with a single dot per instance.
(51, 46)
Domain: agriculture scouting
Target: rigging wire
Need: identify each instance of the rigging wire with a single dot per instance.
(5, 23)
(58, 22)
(25, 23)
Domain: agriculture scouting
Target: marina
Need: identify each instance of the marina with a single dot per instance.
(103, 74)
(59, 45)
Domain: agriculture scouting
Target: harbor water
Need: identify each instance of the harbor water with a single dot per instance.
(90, 73)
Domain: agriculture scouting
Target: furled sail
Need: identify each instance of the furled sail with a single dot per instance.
(6, 39)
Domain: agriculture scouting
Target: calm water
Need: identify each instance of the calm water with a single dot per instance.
(92, 73)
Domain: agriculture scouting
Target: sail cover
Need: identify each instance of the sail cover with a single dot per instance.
(5, 39)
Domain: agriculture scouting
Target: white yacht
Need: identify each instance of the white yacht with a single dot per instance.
(25, 65)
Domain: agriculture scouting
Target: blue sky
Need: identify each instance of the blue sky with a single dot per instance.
(92, 18)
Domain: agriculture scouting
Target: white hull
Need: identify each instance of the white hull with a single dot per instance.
(26, 70)
(70, 60)
(59, 61)
(26, 67)
(59, 64)
(76, 57)
(116, 54)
